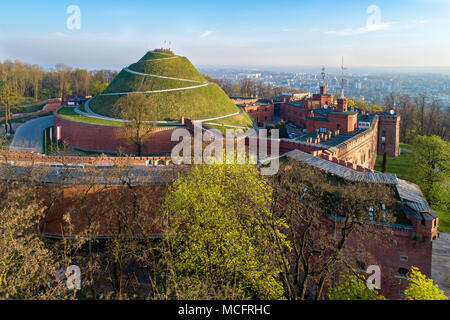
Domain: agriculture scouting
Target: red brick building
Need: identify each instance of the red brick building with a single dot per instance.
(409, 244)
(261, 112)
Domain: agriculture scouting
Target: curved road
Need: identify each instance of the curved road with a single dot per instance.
(29, 136)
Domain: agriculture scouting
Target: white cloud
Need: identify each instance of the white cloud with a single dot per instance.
(415, 22)
(362, 30)
(207, 33)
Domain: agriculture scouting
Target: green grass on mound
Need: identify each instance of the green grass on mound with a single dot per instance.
(240, 120)
(69, 113)
(177, 68)
(156, 55)
(199, 103)
(129, 82)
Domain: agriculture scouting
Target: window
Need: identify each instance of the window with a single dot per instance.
(403, 258)
(360, 266)
(403, 273)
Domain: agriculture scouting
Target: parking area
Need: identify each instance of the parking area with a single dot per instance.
(294, 132)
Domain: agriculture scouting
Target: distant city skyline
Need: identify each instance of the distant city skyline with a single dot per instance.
(114, 33)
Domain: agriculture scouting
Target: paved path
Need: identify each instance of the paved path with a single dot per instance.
(440, 264)
(157, 76)
(30, 135)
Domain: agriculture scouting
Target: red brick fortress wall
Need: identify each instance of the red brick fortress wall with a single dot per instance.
(99, 138)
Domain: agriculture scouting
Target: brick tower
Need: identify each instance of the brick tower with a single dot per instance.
(389, 135)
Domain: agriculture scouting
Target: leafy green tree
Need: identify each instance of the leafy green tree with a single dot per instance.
(353, 287)
(375, 108)
(432, 168)
(138, 109)
(236, 91)
(361, 104)
(351, 103)
(221, 233)
(283, 130)
(7, 97)
(422, 288)
(97, 87)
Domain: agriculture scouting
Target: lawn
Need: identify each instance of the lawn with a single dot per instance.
(402, 166)
(240, 120)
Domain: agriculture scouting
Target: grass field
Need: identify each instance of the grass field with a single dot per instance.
(402, 166)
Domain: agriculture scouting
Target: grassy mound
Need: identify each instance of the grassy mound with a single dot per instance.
(152, 55)
(176, 68)
(197, 104)
(129, 82)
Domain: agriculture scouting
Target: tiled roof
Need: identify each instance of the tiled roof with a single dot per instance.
(414, 203)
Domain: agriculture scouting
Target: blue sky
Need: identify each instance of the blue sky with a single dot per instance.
(272, 33)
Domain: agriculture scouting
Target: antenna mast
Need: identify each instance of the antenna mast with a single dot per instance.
(342, 84)
(323, 75)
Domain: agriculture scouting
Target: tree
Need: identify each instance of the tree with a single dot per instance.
(138, 109)
(26, 264)
(432, 168)
(219, 234)
(422, 288)
(309, 200)
(7, 95)
(361, 105)
(384, 163)
(97, 87)
(236, 91)
(353, 287)
(351, 103)
(375, 108)
(283, 130)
